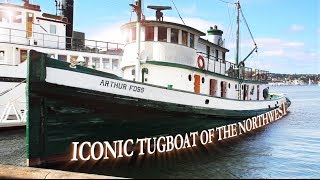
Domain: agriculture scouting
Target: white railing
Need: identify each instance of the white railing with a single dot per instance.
(9, 110)
(46, 40)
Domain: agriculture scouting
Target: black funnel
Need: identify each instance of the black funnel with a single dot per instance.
(68, 6)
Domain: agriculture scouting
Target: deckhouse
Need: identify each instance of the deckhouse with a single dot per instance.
(176, 56)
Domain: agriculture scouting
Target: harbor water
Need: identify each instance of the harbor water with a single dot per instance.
(288, 148)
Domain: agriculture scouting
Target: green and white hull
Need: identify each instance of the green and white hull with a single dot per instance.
(66, 104)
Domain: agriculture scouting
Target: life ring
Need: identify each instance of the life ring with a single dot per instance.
(200, 64)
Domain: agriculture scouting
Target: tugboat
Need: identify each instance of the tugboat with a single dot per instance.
(173, 81)
(25, 27)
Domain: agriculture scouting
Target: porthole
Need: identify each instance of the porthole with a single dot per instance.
(207, 101)
(190, 77)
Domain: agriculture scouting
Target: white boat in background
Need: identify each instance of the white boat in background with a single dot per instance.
(25, 27)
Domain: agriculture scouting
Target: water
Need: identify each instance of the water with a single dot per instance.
(288, 148)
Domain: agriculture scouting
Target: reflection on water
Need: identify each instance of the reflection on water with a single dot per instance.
(288, 148)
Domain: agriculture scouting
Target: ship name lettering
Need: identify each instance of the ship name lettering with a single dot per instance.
(123, 86)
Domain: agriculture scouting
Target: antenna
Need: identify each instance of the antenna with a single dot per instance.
(159, 14)
(59, 7)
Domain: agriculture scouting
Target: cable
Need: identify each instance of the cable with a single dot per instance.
(178, 12)
(248, 27)
(6, 91)
(227, 2)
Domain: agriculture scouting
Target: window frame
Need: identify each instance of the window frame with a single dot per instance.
(186, 38)
(176, 38)
(148, 33)
(165, 37)
(51, 29)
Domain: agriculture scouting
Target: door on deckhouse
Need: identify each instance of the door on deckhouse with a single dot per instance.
(245, 91)
(223, 89)
(213, 87)
(197, 84)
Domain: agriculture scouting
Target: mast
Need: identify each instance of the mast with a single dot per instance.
(137, 8)
(238, 33)
(138, 31)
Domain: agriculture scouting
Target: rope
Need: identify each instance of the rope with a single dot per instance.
(8, 90)
(178, 12)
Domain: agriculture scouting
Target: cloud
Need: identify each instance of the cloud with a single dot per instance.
(296, 27)
(196, 23)
(190, 10)
(110, 33)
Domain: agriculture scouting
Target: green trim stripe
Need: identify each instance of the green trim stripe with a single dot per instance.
(202, 71)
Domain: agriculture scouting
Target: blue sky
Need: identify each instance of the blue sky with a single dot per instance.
(287, 31)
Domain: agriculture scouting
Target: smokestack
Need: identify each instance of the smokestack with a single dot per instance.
(68, 13)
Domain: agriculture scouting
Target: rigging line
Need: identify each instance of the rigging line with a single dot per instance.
(230, 36)
(226, 2)
(178, 12)
(248, 27)
(8, 90)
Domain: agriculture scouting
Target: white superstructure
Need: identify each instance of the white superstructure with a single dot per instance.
(175, 56)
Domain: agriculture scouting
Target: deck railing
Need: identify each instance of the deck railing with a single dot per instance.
(46, 40)
(230, 69)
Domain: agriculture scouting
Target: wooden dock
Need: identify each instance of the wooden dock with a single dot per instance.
(18, 172)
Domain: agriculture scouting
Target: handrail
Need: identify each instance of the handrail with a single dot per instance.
(17, 36)
(231, 70)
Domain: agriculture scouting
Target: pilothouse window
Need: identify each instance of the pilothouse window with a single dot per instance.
(149, 33)
(174, 36)
(184, 38)
(192, 40)
(162, 34)
(133, 33)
